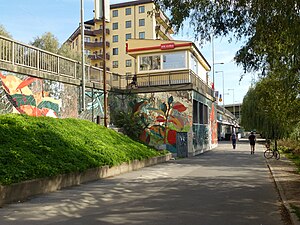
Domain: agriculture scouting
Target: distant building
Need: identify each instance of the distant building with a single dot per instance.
(128, 20)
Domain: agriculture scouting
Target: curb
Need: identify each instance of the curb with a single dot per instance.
(23, 190)
(284, 201)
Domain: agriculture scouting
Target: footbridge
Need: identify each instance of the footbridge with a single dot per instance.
(24, 59)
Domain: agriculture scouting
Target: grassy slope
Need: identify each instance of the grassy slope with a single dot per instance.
(35, 147)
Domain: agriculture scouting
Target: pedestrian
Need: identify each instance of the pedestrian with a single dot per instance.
(233, 140)
(133, 84)
(252, 139)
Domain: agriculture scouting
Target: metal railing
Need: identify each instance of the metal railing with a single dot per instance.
(26, 56)
(166, 78)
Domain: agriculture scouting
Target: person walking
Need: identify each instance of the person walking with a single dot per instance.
(252, 140)
(233, 140)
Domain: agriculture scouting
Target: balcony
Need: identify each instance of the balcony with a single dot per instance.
(171, 80)
(96, 44)
(98, 57)
(100, 31)
(164, 21)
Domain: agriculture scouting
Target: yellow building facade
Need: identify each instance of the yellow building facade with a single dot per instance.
(128, 20)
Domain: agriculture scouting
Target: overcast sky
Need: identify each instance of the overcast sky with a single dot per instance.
(27, 19)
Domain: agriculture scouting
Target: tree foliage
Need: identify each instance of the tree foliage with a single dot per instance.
(4, 32)
(270, 108)
(50, 43)
(271, 28)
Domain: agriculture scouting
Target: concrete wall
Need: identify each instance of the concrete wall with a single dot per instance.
(21, 191)
(41, 97)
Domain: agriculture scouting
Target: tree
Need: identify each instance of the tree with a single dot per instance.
(4, 32)
(271, 28)
(46, 42)
(271, 110)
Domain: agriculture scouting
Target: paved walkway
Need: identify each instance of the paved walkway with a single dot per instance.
(222, 186)
(287, 180)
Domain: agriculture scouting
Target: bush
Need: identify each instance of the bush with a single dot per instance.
(130, 123)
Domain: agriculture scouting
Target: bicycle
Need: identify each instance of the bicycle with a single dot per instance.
(269, 153)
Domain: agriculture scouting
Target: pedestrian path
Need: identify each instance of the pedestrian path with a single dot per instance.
(287, 180)
(222, 186)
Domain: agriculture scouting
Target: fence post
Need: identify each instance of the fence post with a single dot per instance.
(13, 52)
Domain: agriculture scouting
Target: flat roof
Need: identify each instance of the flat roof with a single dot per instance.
(131, 3)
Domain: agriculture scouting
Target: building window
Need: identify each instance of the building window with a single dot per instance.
(88, 27)
(87, 52)
(150, 63)
(176, 60)
(87, 39)
(128, 11)
(115, 13)
(194, 64)
(115, 38)
(115, 64)
(115, 51)
(128, 63)
(195, 112)
(141, 35)
(115, 77)
(141, 22)
(141, 9)
(128, 24)
(127, 36)
(115, 26)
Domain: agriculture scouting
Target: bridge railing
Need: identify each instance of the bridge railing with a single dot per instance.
(26, 56)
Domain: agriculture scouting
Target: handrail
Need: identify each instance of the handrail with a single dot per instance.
(27, 56)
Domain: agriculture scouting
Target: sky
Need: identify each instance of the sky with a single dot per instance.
(27, 19)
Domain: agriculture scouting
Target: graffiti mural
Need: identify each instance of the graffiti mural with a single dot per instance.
(214, 125)
(162, 119)
(26, 95)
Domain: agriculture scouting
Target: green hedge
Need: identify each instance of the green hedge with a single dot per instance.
(36, 147)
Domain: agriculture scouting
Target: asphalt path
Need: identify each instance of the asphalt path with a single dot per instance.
(220, 187)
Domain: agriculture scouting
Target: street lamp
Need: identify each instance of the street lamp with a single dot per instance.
(82, 53)
(213, 68)
(233, 100)
(221, 71)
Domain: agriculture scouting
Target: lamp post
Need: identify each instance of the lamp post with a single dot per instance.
(82, 53)
(221, 71)
(221, 63)
(233, 100)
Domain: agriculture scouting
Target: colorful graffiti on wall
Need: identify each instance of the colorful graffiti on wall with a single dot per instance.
(214, 125)
(163, 122)
(26, 95)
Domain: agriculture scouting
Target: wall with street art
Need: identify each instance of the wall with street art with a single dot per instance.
(38, 97)
(162, 114)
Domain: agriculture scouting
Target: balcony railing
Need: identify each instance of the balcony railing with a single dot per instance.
(100, 31)
(185, 78)
(98, 56)
(96, 44)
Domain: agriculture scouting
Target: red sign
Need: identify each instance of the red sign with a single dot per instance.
(167, 46)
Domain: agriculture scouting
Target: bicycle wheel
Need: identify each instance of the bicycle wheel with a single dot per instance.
(268, 154)
(277, 154)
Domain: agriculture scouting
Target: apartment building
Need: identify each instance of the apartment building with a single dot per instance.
(128, 20)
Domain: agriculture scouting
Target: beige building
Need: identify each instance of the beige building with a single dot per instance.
(128, 20)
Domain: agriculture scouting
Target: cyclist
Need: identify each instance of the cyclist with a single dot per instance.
(252, 139)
